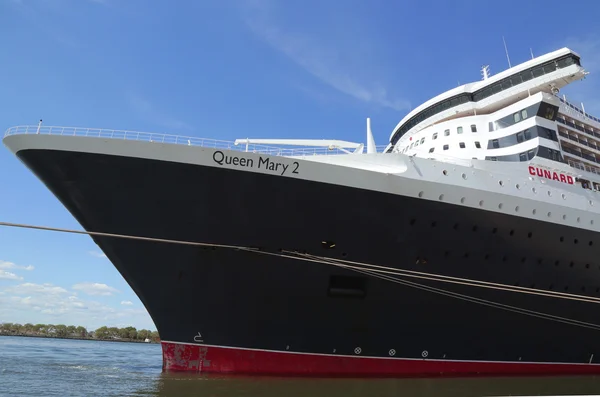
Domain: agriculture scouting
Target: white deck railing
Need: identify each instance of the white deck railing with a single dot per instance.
(174, 139)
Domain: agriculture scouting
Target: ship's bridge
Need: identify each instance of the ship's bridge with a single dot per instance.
(547, 73)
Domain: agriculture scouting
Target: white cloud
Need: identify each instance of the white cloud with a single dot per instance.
(11, 265)
(47, 303)
(38, 289)
(9, 276)
(127, 303)
(95, 289)
(97, 254)
(325, 62)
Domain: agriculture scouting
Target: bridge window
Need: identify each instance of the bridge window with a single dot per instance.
(491, 126)
(458, 130)
(462, 145)
(445, 147)
(523, 156)
(517, 117)
(473, 128)
(495, 144)
(477, 145)
(520, 137)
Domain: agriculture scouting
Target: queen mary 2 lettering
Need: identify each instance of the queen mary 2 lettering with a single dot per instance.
(403, 261)
(265, 163)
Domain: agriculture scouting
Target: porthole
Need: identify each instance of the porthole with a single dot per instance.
(591, 243)
(591, 221)
(433, 224)
(549, 193)
(445, 172)
(517, 208)
(587, 265)
(500, 206)
(481, 203)
(578, 219)
(466, 254)
(571, 264)
(529, 235)
(504, 258)
(486, 257)
(420, 194)
(564, 196)
(495, 230)
(518, 186)
(475, 228)
(533, 190)
(534, 211)
(412, 221)
(512, 232)
(549, 214)
(556, 263)
(462, 200)
(561, 239)
(564, 217)
(501, 183)
(575, 241)
(523, 259)
(441, 197)
(464, 176)
(456, 226)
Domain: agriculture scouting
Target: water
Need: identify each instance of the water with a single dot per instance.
(55, 367)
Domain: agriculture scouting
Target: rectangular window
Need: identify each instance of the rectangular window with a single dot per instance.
(527, 134)
(462, 145)
(524, 114)
(447, 132)
(477, 145)
(523, 156)
(491, 126)
(517, 117)
(473, 128)
(458, 130)
(495, 144)
(519, 137)
(445, 147)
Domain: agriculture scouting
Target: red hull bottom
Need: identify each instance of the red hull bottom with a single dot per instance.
(211, 359)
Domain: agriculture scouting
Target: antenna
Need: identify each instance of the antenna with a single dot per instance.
(531, 51)
(485, 71)
(506, 50)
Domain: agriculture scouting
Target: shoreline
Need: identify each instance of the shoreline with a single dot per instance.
(82, 338)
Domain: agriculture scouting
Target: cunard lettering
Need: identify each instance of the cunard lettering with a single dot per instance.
(553, 175)
(265, 163)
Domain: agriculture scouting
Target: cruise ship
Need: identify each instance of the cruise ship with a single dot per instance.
(468, 245)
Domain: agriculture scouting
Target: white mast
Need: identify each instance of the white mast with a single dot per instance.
(370, 140)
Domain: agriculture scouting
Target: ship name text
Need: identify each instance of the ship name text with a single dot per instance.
(263, 163)
(555, 176)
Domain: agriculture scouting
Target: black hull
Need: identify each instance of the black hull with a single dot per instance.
(237, 298)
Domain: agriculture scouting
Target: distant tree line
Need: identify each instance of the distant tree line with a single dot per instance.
(78, 332)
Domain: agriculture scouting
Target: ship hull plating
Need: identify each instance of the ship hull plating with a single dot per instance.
(266, 311)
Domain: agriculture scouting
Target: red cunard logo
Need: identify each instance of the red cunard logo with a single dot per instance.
(555, 176)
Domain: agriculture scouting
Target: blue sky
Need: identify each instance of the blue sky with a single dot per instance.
(227, 70)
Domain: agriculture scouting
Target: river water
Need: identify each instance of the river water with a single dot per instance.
(56, 367)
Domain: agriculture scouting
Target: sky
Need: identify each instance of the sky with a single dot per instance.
(229, 69)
